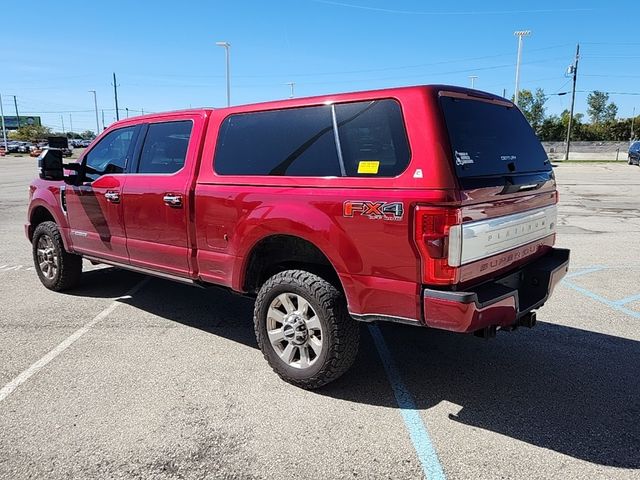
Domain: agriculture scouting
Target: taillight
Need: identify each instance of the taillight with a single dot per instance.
(437, 232)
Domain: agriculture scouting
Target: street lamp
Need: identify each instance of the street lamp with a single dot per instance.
(473, 80)
(292, 86)
(95, 104)
(227, 46)
(519, 34)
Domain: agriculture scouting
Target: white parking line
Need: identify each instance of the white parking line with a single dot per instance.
(66, 343)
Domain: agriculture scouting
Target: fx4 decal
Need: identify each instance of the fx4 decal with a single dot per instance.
(373, 210)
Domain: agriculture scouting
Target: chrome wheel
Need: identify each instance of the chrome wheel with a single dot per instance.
(47, 257)
(294, 330)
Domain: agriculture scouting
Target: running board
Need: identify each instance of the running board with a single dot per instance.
(146, 271)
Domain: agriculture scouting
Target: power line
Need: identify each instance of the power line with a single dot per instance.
(436, 13)
(609, 93)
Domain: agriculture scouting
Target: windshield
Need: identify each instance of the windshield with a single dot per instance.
(491, 139)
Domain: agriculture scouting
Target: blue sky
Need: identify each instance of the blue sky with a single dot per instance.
(165, 56)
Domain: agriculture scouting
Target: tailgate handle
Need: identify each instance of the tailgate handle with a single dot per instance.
(532, 186)
(511, 188)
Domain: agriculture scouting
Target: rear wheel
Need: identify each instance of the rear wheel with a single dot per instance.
(57, 269)
(304, 330)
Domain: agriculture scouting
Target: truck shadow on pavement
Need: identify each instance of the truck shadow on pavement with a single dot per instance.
(572, 391)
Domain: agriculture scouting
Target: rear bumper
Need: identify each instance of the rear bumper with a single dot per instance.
(499, 302)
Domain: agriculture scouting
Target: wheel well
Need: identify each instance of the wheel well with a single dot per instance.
(39, 215)
(285, 252)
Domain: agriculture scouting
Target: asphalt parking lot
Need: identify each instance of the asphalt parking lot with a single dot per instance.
(166, 381)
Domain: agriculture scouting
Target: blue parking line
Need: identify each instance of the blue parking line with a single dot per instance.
(417, 430)
(598, 298)
(585, 271)
(629, 299)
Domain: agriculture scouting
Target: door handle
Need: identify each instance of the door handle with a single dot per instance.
(173, 200)
(113, 197)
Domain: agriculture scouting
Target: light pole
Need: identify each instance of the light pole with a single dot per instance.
(633, 118)
(292, 85)
(15, 103)
(473, 80)
(4, 130)
(227, 46)
(519, 34)
(95, 104)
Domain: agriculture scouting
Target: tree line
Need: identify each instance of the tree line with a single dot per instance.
(602, 114)
(36, 133)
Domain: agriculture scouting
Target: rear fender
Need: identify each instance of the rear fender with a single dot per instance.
(300, 221)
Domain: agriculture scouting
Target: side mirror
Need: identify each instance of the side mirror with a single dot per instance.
(50, 164)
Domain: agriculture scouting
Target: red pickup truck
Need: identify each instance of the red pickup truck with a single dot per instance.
(430, 206)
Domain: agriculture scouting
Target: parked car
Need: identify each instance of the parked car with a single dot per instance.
(432, 206)
(13, 147)
(24, 147)
(634, 154)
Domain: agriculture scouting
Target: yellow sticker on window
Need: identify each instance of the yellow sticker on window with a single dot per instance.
(368, 166)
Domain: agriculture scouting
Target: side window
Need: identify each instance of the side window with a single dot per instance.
(293, 142)
(165, 147)
(372, 138)
(110, 153)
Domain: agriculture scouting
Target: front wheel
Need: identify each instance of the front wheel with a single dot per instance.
(57, 269)
(304, 330)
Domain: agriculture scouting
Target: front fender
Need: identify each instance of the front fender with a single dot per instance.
(47, 195)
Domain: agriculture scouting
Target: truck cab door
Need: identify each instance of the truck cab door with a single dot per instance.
(94, 209)
(155, 200)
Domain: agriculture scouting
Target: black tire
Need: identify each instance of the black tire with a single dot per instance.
(67, 272)
(339, 332)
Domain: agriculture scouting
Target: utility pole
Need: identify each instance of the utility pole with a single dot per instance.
(573, 70)
(292, 85)
(15, 103)
(115, 94)
(127, 110)
(519, 34)
(95, 105)
(227, 46)
(142, 109)
(4, 130)
(70, 123)
(633, 118)
(473, 80)
(62, 120)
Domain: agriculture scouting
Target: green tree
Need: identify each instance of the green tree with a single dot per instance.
(552, 129)
(610, 112)
(532, 106)
(31, 133)
(88, 135)
(599, 108)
